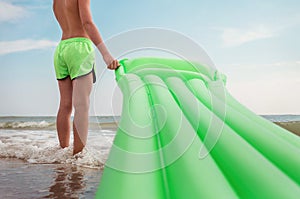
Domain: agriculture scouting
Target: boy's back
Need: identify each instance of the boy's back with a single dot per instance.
(68, 16)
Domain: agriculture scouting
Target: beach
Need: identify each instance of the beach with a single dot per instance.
(293, 127)
(34, 166)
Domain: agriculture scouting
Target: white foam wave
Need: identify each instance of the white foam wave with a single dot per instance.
(41, 147)
(20, 125)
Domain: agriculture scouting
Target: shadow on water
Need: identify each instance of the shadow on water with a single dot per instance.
(73, 182)
(68, 183)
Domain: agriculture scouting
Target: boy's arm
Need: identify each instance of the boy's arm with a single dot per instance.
(92, 31)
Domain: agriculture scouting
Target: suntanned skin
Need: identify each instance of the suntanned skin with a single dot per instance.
(75, 20)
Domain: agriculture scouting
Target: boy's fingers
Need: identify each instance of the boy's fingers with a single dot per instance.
(118, 64)
(113, 65)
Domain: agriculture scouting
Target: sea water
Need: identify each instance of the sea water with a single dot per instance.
(282, 118)
(34, 140)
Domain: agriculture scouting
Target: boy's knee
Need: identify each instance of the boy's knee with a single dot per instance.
(82, 104)
(66, 107)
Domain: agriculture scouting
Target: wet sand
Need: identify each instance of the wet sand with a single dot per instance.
(19, 179)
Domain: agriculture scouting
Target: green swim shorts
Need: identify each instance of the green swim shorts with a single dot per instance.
(74, 57)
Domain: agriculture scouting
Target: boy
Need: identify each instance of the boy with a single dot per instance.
(74, 68)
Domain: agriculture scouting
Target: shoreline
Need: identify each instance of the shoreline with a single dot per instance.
(112, 126)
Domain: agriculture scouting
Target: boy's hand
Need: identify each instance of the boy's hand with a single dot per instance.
(114, 65)
(111, 63)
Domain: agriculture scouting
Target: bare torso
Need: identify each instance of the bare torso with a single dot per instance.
(68, 17)
(75, 20)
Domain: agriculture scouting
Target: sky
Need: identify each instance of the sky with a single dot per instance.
(253, 42)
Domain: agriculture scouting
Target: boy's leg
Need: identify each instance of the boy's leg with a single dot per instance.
(82, 87)
(63, 120)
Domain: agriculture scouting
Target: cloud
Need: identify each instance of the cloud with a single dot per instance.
(269, 88)
(10, 12)
(7, 47)
(263, 70)
(235, 37)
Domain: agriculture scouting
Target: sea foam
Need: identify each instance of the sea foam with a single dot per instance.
(41, 147)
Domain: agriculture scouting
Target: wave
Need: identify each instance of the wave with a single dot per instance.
(44, 125)
(24, 125)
